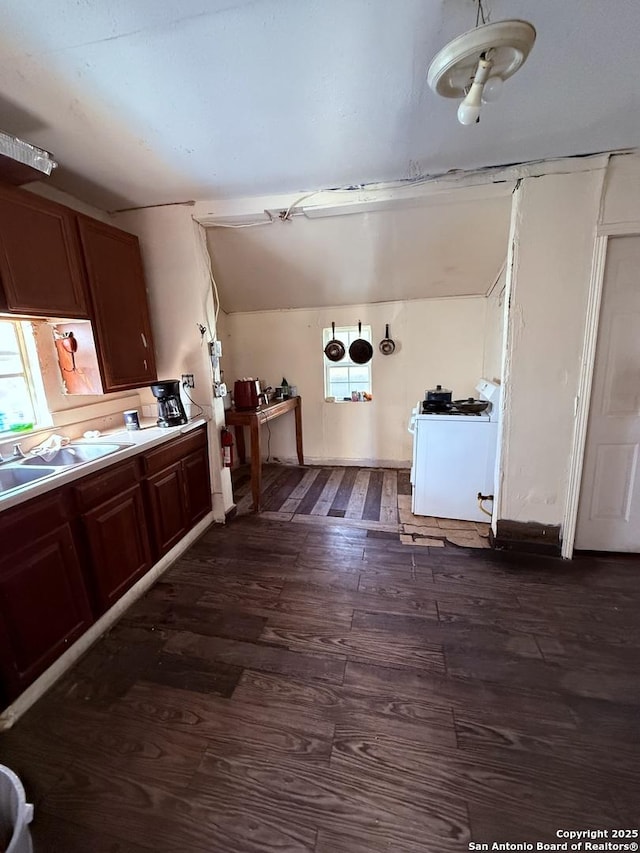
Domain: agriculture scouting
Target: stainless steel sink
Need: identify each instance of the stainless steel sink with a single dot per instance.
(13, 476)
(74, 454)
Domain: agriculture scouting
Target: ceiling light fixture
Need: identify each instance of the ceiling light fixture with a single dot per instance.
(475, 65)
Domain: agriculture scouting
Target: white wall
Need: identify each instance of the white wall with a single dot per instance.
(438, 341)
(494, 329)
(621, 201)
(549, 268)
(180, 297)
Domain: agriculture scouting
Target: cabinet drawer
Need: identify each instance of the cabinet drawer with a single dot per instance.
(24, 523)
(97, 488)
(174, 451)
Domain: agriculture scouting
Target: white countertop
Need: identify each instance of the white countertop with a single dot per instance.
(133, 443)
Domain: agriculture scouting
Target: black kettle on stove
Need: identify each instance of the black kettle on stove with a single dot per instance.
(170, 409)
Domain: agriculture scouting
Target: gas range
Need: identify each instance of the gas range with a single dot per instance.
(451, 414)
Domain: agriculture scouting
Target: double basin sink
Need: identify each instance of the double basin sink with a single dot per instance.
(22, 472)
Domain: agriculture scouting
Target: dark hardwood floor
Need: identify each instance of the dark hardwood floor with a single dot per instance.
(290, 687)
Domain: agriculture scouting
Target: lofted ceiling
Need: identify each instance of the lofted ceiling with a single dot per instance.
(450, 245)
(146, 102)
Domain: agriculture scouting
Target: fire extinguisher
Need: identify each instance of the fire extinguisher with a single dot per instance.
(226, 440)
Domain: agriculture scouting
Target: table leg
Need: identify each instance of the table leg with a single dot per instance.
(298, 414)
(242, 453)
(256, 464)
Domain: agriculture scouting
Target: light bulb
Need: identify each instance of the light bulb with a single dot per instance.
(468, 113)
(469, 109)
(492, 89)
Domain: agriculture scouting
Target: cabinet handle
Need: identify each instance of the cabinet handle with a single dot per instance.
(145, 364)
(144, 340)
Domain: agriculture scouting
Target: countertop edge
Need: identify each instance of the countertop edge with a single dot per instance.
(133, 443)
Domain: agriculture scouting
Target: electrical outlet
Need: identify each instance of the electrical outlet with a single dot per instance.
(188, 381)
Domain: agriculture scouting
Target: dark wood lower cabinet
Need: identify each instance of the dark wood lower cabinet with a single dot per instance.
(69, 555)
(178, 487)
(168, 509)
(197, 484)
(43, 606)
(116, 531)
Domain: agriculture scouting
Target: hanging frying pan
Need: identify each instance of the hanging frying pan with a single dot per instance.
(334, 350)
(360, 350)
(387, 345)
(70, 344)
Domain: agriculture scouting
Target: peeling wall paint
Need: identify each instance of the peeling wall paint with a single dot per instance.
(549, 266)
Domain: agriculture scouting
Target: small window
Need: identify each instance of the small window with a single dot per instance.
(343, 378)
(22, 400)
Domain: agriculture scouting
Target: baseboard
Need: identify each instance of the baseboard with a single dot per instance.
(343, 463)
(531, 537)
(49, 677)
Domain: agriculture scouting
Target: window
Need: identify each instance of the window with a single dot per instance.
(22, 400)
(342, 378)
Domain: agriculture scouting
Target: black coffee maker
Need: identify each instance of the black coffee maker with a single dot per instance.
(170, 409)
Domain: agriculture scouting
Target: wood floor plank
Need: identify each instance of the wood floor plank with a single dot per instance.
(293, 501)
(336, 799)
(373, 500)
(150, 815)
(257, 656)
(314, 492)
(232, 727)
(326, 499)
(341, 500)
(389, 497)
(355, 507)
(361, 645)
(338, 703)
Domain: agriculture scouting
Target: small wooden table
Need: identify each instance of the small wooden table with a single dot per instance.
(254, 419)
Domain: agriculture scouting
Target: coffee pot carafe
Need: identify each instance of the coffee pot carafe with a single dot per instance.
(170, 409)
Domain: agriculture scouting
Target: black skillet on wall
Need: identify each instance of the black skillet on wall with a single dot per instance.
(387, 345)
(334, 350)
(360, 350)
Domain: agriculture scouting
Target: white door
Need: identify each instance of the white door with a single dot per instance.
(609, 511)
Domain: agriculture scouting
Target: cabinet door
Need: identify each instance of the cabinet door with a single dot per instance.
(120, 310)
(196, 479)
(119, 545)
(43, 606)
(167, 501)
(40, 258)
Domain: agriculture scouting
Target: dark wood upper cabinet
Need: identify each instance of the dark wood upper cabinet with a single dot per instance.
(40, 261)
(119, 302)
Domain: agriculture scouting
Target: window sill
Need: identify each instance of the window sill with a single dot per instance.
(346, 400)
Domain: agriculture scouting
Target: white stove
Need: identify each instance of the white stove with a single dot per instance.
(454, 456)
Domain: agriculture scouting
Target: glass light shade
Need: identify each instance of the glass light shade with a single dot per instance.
(492, 89)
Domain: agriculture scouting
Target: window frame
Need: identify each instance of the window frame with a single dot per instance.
(31, 374)
(345, 333)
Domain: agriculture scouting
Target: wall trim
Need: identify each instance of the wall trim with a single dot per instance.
(343, 463)
(49, 677)
(583, 400)
(619, 229)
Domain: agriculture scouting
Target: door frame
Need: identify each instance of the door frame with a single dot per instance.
(585, 384)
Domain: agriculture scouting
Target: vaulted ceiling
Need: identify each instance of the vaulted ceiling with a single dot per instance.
(145, 102)
(452, 244)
